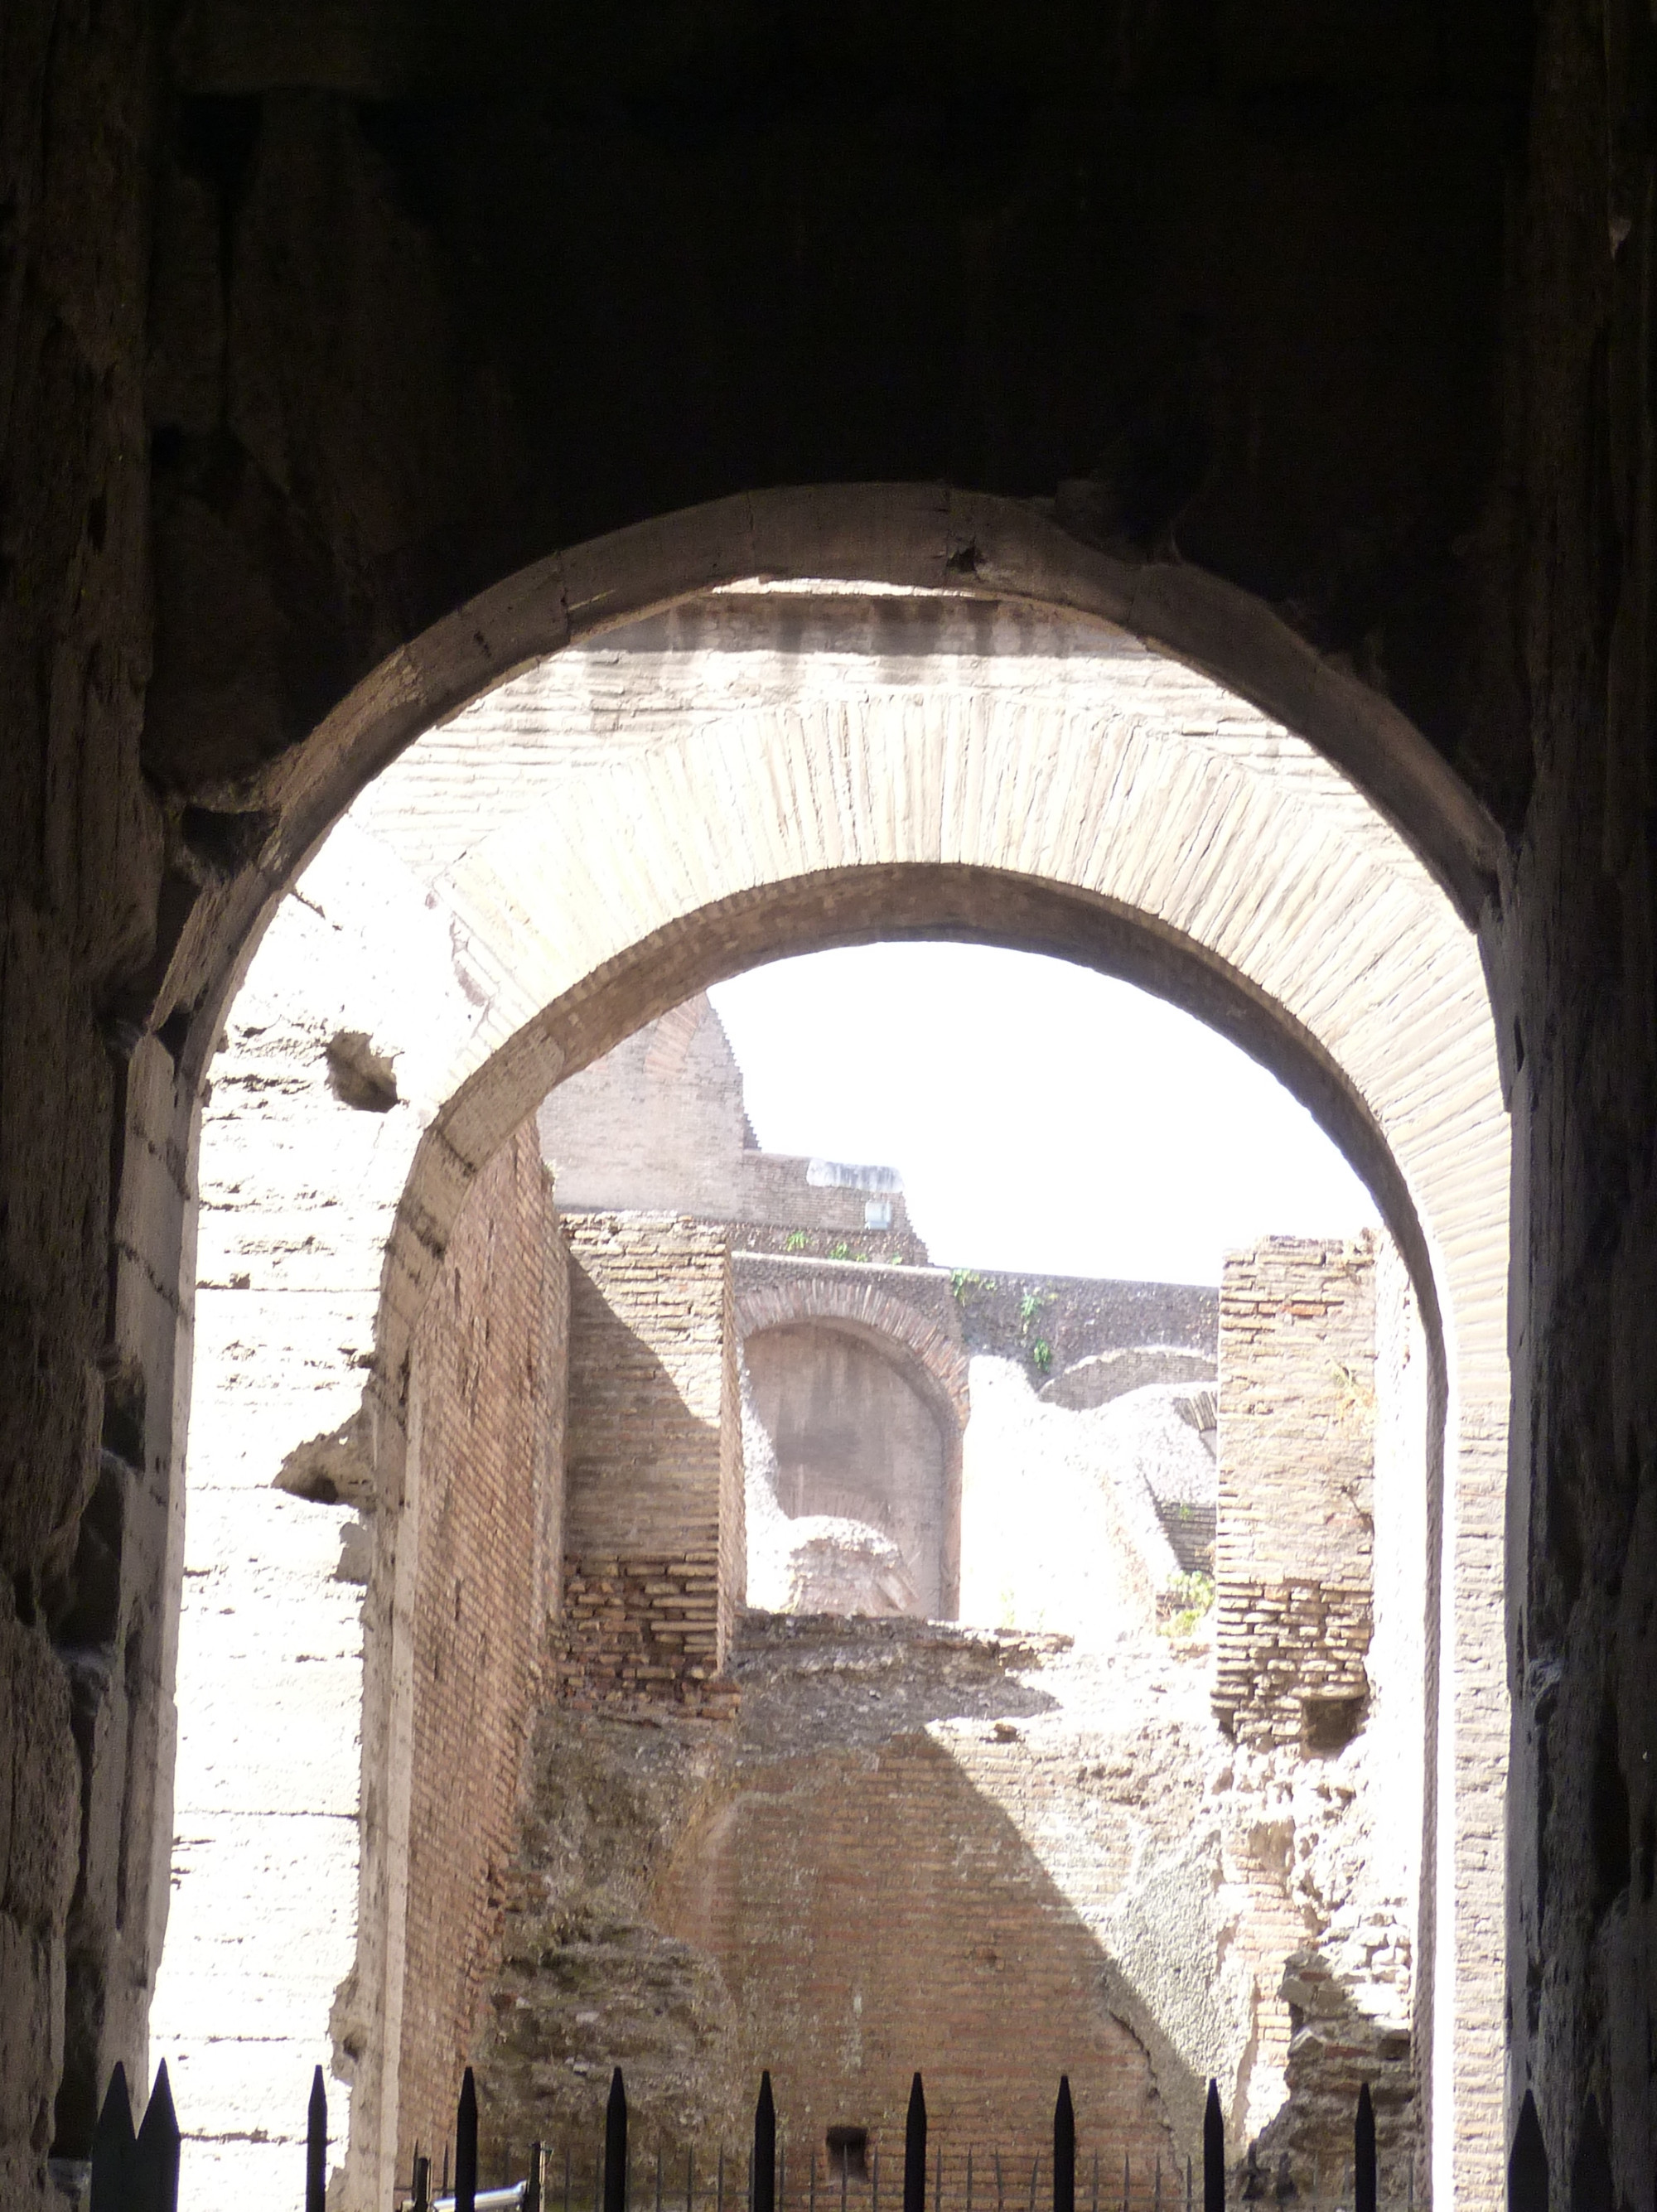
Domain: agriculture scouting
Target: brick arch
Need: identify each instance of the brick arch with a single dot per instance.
(1199, 803)
(873, 1311)
(918, 537)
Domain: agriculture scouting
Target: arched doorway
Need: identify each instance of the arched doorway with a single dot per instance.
(1123, 811)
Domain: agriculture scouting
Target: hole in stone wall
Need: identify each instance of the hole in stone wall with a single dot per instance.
(1330, 1723)
(848, 2153)
(221, 843)
(87, 1608)
(124, 1401)
(359, 1076)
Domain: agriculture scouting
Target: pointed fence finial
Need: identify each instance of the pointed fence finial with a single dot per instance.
(155, 2152)
(466, 2146)
(1213, 2152)
(763, 2170)
(1064, 2149)
(316, 2147)
(112, 2143)
(914, 2150)
(1364, 2178)
(616, 2145)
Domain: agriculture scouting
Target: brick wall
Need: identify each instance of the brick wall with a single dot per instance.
(873, 1909)
(487, 1445)
(886, 1861)
(654, 1546)
(1297, 1466)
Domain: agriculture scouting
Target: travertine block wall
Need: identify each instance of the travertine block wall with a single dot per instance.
(1294, 1551)
(655, 1543)
(486, 1404)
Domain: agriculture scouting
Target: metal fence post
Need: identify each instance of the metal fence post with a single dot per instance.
(1363, 2153)
(614, 2146)
(112, 2146)
(466, 2146)
(1064, 2149)
(914, 2150)
(155, 2154)
(1213, 2152)
(316, 2147)
(762, 2167)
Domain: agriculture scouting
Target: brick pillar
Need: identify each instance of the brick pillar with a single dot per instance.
(654, 1546)
(1296, 1446)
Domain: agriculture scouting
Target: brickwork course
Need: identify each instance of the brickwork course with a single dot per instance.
(1296, 1445)
(654, 1548)
(488, 1419)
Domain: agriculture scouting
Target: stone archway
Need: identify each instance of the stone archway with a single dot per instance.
(770, 1298)
(1303, 874)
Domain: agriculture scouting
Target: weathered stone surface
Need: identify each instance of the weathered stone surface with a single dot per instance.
(1376, 349)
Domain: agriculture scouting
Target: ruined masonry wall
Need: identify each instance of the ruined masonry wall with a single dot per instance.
(653, 1532)
(659, 1123)
(1294, 1551)
(487, 1447)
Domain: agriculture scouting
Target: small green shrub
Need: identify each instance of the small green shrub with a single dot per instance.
(841, 1251)
(794, 1241)
(963, 1281)
(1042, 1353)
(1185, 1603)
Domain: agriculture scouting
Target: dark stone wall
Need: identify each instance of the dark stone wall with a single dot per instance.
(1574, 496)
(314, 319)
(437, 288)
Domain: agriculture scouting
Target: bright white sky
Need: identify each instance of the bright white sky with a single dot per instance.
(1042, 1117)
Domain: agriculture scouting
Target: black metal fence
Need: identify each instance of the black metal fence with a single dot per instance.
(138, 2171)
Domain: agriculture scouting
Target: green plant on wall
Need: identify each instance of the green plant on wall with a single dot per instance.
(841, 1251)
(1353, 1394)
(794, 1241)
(1042, 1353)
(1185, 1603)
(1030, 1305)
(963, 1281)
